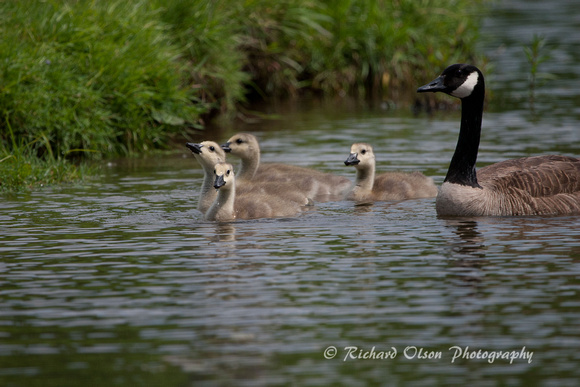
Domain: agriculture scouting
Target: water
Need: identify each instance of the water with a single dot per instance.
(119, 281)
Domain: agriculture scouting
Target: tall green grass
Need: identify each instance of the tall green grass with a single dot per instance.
(90, 76)
(371, 47)
(88, 79)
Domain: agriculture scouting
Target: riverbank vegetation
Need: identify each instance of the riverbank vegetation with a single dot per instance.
(91, 79)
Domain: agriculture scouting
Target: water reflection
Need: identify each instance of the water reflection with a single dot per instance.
(467, 260)
(471, 242)
(224, 232)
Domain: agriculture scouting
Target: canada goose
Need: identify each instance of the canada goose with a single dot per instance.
(227, 206)
(540, 185)
(209, 153)
(388, 185)
(317, 185)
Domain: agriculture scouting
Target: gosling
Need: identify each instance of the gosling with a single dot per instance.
(388, 186)
(209, 153)
(319, 186)
(228, 206)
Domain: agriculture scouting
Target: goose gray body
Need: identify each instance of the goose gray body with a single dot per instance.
(539, 185)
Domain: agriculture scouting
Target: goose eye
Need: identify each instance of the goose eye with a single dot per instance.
(228, 172)
(363, 151)
(239, 141)
(214, 172)
(212, 148)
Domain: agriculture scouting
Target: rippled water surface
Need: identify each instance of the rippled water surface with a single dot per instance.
(119, 281)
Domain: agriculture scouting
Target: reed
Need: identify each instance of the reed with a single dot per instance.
(536, 54)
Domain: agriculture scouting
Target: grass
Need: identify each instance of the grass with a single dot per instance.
(370, 47)
(21, 170)
(92, 79)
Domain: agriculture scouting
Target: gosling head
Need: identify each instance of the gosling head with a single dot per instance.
(242, 145)
(207, 153)
(361, 155)
(458, 80)
(224, 175)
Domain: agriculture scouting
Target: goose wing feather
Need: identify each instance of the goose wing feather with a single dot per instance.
(539, 176)
(535, 185)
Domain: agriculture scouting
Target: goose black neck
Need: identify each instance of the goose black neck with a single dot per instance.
(462, 168)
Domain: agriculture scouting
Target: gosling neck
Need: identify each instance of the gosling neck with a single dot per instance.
(462, 167)
(207, 194)
(222, 208)
(249, 166)
(365, 178)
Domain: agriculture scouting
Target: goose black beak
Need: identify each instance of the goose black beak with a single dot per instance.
(195, 148)
(219, 182)
(226, 147)
(433, 86)
(352, 159)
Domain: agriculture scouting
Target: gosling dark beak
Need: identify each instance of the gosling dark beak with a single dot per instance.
(433, 86)
(219, 182)
(352, 159)
(195, 148)
(226, 147)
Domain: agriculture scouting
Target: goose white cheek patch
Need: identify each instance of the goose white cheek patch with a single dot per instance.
(466, 87)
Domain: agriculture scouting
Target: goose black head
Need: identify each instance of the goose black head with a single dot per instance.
(458, 80)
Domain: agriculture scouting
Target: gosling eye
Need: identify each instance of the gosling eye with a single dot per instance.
(214, 172)
(228, 172)
(212, 148)
(239, 141)
(363, 151)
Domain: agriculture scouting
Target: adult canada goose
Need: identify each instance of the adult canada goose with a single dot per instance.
(540, 185)
(227, 206)
(318, 185)
(209, 153)
(388, 185)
